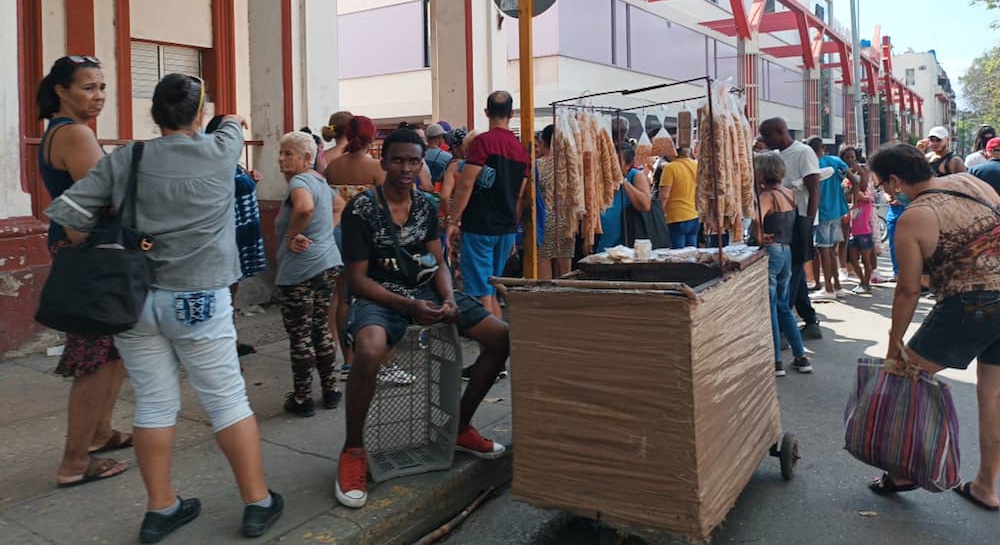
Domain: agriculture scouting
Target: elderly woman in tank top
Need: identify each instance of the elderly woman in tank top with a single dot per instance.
(951, 230)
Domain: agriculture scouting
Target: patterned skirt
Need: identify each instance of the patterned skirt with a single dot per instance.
(83, 354)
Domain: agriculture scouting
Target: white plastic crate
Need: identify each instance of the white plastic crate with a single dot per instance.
(412, 424)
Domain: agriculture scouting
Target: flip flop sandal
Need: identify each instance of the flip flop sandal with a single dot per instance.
(965, 490)
(94, 472)
(885, 486)
(117, 441)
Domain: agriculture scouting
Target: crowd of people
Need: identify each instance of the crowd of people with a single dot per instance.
(369, 246)
(358, 235)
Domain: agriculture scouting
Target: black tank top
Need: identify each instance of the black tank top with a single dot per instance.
(780, 224)
(936, 164)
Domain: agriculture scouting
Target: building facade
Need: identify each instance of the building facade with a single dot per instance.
(137, 42)
(580, 47)
(922, 72)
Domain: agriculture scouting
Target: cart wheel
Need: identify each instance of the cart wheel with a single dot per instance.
(789, 456)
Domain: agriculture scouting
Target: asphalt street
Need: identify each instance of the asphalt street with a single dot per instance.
(828, 501)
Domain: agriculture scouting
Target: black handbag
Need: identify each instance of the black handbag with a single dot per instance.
(100, 287)
(416, 269)
(651, 225)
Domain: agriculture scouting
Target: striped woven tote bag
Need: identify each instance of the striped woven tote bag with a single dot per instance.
(906, 426)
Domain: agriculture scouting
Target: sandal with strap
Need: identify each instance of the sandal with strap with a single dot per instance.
(117, 441)
(885, 486)
(97, 470)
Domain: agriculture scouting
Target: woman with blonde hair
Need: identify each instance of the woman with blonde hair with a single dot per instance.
(309, 264)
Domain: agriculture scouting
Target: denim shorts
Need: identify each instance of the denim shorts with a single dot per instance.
(862, 243)
(364, 313)
(829, 233)
(193, 329)
(959, 329)
(484, 256)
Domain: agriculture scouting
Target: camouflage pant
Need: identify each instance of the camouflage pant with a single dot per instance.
(304, 310)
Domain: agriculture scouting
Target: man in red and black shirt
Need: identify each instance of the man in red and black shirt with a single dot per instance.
(487, 201)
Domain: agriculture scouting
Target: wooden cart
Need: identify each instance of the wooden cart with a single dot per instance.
(646, 406)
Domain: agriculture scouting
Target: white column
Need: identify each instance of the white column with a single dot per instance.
(321, 81)
(448, 51)
(105, 49)
(13, 200)
(267, 93)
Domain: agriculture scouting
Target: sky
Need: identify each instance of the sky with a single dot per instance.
(957, 31)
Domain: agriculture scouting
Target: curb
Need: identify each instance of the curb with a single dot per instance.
(402, 511)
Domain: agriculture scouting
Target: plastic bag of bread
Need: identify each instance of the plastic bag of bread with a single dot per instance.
(643, 150)
(663, 144)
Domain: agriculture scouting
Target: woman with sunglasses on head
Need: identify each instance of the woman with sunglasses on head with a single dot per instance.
(184, 204)
(70, 96)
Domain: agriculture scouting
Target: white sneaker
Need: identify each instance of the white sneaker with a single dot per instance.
(393, 375)
(823, 296)
(842, 293)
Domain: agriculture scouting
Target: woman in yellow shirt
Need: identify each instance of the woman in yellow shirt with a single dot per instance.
(678, 186)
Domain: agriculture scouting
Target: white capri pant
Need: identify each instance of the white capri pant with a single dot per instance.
(190, 328)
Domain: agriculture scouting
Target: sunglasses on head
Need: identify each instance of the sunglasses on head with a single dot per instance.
(201, 90)
(83, 59)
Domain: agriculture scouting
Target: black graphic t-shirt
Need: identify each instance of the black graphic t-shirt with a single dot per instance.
(368, 235)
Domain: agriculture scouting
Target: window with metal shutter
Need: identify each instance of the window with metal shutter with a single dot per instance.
(145, 69)
(181, 60)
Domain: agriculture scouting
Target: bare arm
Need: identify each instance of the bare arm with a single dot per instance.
(75, 149)
(339, 204)
(638, 192)
(812, 185)
(426, 184)
(363, 286)
(521, 198)
(956, 165)
(912, 225)
(448, 188)
(302, 210)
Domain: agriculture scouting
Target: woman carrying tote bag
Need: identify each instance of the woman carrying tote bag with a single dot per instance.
(184, 203)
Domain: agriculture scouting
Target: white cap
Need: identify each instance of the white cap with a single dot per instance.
(939, 132)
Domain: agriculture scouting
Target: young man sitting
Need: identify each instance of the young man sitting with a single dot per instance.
(382, 229)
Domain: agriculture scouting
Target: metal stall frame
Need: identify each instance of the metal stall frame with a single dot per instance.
(708, 81)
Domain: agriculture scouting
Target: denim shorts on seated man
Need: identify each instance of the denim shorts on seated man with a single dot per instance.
(364, 313)
(828, 234)
(959, 329)
(483, 256)
(193, 329)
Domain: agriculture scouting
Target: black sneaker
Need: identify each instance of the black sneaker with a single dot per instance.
(802, 365)
(811, 331)
(155, 526)
(331, 399)
(779, 369)
(244, 350)
(467, 374)
(257, 519)
(302, 409)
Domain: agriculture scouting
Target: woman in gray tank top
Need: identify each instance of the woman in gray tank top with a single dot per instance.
(309, 265)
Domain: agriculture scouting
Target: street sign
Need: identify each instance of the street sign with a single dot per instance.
(509, 7)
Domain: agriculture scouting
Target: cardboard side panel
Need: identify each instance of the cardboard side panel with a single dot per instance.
(736, 403)
(602, 406)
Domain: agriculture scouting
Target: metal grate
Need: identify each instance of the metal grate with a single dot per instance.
(413, 420)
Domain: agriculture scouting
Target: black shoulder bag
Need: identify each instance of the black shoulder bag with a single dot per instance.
(100, 287)
(416, 269)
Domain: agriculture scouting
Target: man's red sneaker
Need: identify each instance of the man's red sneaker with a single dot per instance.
(470, 441)
(351, 472)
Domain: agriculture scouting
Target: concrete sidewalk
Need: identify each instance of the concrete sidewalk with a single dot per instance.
(300, 457)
